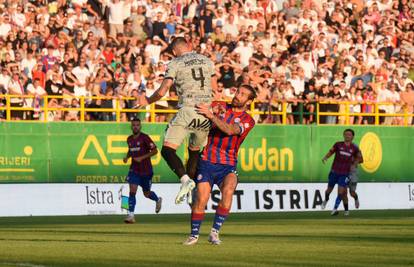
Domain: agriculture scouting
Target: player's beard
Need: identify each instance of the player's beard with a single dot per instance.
(236, 103)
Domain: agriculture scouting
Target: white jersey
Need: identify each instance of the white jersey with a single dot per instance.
(192, 74)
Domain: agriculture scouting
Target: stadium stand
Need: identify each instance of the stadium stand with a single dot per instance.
(311, 61)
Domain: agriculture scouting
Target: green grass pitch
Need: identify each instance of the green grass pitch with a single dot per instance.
(366, 238)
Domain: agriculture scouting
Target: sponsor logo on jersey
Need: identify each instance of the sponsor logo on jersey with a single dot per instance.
(200, 124)
(344, 153)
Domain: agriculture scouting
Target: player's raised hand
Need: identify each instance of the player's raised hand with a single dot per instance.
(142, 101)
(204, 109)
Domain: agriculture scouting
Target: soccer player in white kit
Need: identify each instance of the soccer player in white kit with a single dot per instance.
(193, 76)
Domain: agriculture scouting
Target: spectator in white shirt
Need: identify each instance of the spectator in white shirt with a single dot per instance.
(230, 27)
(28, 63)
(4, 79)
(5, 27)
(154, 49)
(298, 82)
(245, 50)
(82, 74)
(383, 96)
(395, 108)
(307, 65)
(18, 17)
(116, 16)
(37, 92)
(15, 87)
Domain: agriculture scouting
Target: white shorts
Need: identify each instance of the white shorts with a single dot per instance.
(187, 122)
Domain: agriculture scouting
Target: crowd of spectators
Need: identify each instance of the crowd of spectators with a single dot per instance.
(298, 52)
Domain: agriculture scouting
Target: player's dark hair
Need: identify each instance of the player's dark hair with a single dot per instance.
(253, 93)
(178, 41)
(133, 119)
(351, 131)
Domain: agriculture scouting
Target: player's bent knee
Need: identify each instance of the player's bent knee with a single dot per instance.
(229, 186)
(227, 194)
(147, 194)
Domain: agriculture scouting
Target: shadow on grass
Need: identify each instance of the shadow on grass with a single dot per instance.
(100, 236)
(180, 218)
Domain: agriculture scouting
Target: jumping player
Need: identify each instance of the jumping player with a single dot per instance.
(140, 148)
(347, 157)
(192, 75)
(219, 160)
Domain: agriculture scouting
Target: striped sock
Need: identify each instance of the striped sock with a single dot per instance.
(196, 220)
(220, 217)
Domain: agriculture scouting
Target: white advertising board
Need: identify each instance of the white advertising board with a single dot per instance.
(95, 199)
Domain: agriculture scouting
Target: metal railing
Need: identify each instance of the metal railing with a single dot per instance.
(282, 112)
(402, 113)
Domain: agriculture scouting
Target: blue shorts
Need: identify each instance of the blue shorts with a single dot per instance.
(213, 173)
(340, 179)
(144, 181)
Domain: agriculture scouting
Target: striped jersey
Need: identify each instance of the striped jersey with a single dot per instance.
(222, 148)
(137, 147)
(344, 157)
(191, 73)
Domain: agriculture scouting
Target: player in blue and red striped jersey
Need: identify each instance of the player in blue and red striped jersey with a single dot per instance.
(218, 161)
(347, 158)
(140, 149)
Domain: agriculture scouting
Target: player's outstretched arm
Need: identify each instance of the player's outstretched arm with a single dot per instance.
(157, 95)
(227, 128)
